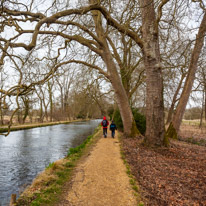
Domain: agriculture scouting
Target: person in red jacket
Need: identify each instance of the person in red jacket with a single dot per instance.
(104, 124)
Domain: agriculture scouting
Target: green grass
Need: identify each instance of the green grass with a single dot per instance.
(69, 164)
(50, 190)
(195, 122)
(51, 165)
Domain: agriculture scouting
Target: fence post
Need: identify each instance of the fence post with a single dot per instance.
(13, 200)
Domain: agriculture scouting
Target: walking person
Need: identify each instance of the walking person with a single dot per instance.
(113, 127)
(104, 124)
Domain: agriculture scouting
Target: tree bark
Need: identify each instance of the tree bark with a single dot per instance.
(26, 109)
(50, 101)
(202, 110)
(1, 113)
(174, 127)
(41, 116)
(155, 130)
(204, 93)
(205, 100)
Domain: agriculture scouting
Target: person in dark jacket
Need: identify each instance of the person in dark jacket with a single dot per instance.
(104, 124)
(113, 127)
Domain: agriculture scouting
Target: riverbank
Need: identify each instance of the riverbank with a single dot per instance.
(4, 129)
(94, 171)
(26, 153)
(47, 187)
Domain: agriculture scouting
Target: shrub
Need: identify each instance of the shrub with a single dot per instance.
(118, 120)
(138, 117)
(110, 111)
(140, 121)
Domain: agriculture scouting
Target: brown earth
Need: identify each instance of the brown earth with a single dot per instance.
(169, 176)
(101, 179)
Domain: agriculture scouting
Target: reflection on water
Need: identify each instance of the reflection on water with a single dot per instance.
(25, 153)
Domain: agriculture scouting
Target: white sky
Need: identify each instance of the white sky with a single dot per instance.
(42, 6)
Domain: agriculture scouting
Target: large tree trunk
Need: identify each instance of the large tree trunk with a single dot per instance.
(205, 100)
(204, 78)
(174, 127)
(202, 110)
(155, 130)
(130, 128)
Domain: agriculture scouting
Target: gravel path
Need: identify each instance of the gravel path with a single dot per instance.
(101, 180)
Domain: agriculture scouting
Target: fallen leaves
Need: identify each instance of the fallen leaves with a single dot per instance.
(173, 176)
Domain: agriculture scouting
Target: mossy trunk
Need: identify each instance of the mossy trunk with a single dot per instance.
(134, 131)
(171, 133)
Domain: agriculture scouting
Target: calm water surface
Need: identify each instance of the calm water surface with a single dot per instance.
(24, 154)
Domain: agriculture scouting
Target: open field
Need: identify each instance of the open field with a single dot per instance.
(191, 132)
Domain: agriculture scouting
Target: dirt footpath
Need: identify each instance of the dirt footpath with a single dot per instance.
(101, 180)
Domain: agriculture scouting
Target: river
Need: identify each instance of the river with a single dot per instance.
(25, 153)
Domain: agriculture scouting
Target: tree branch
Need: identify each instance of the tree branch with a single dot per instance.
(159, 12)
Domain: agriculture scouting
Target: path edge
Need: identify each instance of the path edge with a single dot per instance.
(132, 180)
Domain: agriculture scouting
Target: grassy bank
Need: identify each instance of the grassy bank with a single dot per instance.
(4, 129)
(195, 122)
(48, 186)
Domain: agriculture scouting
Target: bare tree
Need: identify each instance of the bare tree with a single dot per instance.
(91, 30)
(177, 118)
(65, 79)
(98, 44)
